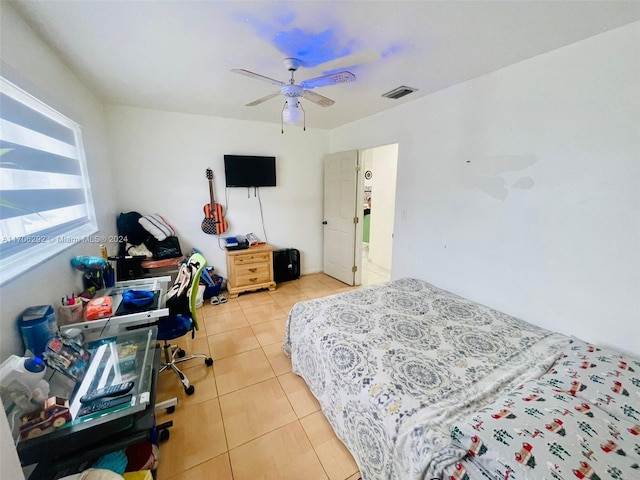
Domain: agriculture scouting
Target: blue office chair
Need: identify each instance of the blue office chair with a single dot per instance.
(181, 301)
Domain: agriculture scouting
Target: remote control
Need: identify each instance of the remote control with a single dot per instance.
(105, 404)
(110, 391)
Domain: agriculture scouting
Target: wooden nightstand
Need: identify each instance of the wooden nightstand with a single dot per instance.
(249, 270)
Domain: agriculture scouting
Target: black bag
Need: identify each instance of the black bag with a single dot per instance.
(167, 248)
(130, 228)
(286, 265)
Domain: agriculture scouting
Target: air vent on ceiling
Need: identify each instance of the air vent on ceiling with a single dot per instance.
(399, 92)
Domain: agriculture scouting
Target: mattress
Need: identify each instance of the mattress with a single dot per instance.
(394, 366)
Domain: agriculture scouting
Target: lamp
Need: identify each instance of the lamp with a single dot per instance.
(293, 113)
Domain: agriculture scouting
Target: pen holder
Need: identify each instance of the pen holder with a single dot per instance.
(93, 278)
(69, 314)
(109, 276)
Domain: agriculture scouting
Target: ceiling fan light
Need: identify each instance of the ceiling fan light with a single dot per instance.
(292, 114)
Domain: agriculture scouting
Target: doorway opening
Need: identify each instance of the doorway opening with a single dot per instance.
(377, 194)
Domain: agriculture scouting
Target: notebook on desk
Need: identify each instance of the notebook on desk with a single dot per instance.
(126, 309)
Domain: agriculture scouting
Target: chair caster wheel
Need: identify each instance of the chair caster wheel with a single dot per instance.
(162, 431)
(190, 390)
(181, 353)
(164, 435)
(171, 409)
(208, 362)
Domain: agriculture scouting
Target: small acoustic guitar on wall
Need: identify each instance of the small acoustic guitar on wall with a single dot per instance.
(214, 222)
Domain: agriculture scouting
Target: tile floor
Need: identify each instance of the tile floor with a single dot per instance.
(372, 274)
(250, 417)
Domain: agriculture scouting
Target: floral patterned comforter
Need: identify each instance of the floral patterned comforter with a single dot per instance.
(393, 366)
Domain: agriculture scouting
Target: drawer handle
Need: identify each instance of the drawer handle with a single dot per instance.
(255, 279)
(253, 270)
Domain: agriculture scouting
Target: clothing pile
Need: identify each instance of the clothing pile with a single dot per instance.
(150, 236)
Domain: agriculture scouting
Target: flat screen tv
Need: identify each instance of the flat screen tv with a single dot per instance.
(250, 171)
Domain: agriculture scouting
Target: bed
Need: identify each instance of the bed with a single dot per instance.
(416, 381)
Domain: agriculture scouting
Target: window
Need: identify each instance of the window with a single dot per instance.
(45, 196)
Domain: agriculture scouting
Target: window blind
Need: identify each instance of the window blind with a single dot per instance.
(45, 195)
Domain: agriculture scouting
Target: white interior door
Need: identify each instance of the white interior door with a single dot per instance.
(340, 182)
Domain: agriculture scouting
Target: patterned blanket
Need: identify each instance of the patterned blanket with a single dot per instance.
(393, 366)
(579, 420)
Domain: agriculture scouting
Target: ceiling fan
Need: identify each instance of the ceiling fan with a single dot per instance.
(292, 112)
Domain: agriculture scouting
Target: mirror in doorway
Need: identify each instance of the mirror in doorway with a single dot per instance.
(367, 200)
(366, 221)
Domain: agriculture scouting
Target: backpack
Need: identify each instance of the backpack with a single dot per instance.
(130, 228)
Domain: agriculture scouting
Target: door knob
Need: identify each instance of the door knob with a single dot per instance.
(324, 223)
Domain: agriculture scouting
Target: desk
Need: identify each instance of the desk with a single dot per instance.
(113, 325)
(129, 356)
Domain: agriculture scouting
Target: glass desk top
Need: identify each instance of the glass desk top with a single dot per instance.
(114, 360)
(126, 357)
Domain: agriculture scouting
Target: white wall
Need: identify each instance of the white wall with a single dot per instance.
(519, 189)
(160, 159)
(29, 63)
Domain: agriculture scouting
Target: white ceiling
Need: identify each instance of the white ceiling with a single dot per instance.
(178, 55)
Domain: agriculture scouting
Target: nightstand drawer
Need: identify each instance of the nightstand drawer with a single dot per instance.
(252, 269)
(253, 278)
(252, 258)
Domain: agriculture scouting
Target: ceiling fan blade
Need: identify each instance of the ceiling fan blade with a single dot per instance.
(263, 99)
(331, 79)
(318, 99)
(249, 74)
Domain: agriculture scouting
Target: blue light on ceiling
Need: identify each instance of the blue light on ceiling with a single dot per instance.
(312, 48)
(392, 50)
(323, 42)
